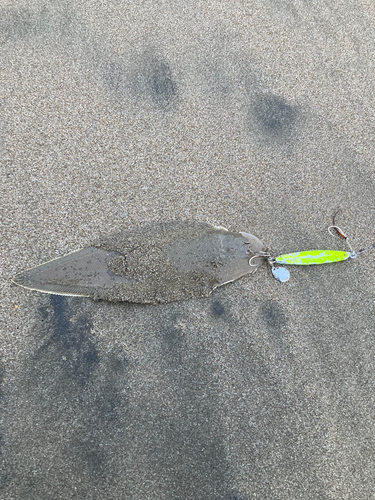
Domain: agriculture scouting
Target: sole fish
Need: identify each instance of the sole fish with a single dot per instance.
(162, 263)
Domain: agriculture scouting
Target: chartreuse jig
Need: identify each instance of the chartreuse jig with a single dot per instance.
(309, 257)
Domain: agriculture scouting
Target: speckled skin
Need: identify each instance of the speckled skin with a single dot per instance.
(162, 263)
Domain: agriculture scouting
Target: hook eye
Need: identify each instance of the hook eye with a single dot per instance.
(343, 235)
(340, 232)
(330, 232)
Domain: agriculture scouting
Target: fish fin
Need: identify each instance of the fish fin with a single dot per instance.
(79, 273)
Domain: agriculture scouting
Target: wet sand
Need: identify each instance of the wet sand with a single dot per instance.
(257, 116)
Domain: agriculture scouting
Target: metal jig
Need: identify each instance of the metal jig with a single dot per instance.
(310, 257)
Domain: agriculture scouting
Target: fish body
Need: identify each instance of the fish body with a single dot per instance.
(162, 263)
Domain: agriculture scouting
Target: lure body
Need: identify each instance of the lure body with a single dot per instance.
(311, 257)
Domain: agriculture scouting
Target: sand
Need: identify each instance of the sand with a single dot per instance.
(257, 116)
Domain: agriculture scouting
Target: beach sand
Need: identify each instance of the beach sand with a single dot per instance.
(256, 116)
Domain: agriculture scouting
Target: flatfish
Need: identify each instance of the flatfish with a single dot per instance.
(165, 262)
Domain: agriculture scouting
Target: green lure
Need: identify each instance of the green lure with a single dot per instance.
(308, 257)
(311, 257)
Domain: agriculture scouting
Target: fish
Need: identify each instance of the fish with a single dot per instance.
(161, 263)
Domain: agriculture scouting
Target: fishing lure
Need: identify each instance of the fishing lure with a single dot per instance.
(310, 257)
